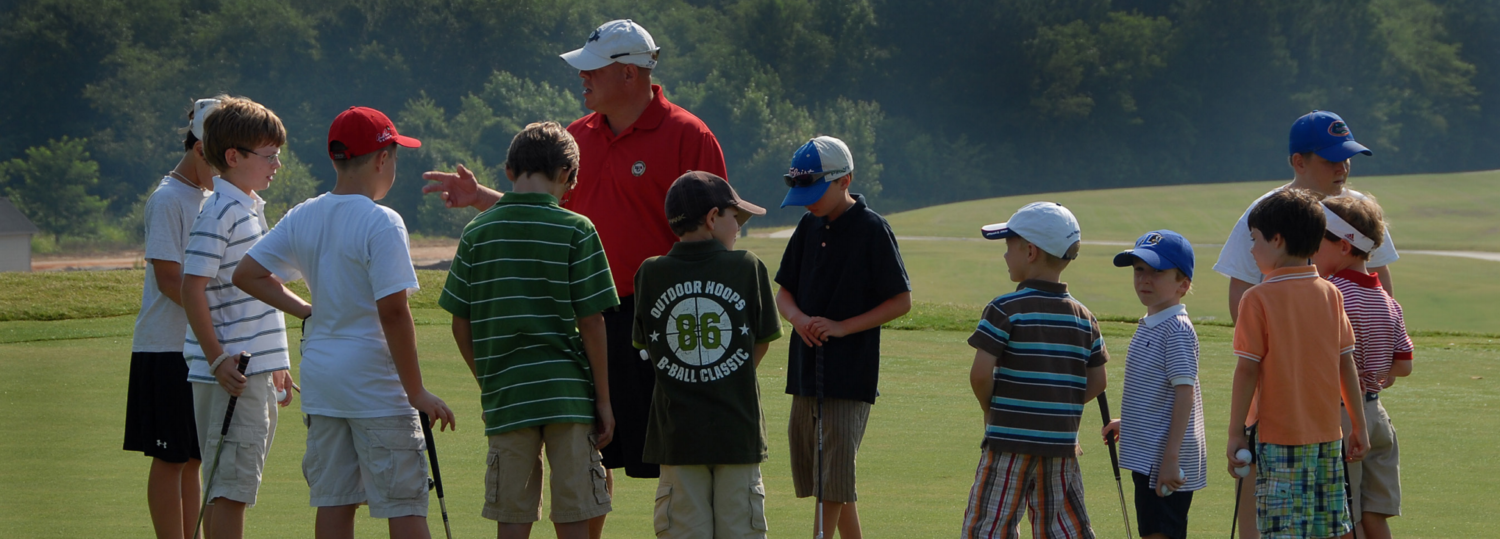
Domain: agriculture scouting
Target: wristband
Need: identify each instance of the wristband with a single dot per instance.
(214, 367)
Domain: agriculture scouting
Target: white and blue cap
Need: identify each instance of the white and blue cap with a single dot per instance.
(1160, 249)
(201, 110)
(1047, 225)
(814, 167)
(1324, 133)
(621, 41)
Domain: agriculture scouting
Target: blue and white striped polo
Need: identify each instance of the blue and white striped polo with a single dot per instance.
(1163, 354)
(229, 224)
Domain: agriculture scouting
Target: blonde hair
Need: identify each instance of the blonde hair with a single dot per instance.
(1363, 214)
(239, 124)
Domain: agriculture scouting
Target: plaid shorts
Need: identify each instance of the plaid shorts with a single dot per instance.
(1299, 490)
(1049, 488)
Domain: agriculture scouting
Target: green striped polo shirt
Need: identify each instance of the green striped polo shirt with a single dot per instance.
(525, 271)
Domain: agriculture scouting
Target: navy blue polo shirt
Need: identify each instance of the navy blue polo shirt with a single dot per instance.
(838, 270)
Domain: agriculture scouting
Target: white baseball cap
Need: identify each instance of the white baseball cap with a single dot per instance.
(201, 109)
(1045, 224)
(621, 41)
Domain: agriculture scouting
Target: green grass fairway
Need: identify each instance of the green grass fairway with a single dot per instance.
(65, 344)
(65, 476)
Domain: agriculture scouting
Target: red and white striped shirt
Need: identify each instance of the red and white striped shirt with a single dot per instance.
(1379, 327)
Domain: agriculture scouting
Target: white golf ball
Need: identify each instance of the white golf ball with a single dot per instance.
(280, 395)
(1245, 456)
(1166, 490)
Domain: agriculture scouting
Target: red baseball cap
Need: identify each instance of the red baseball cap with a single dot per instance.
(363, 130)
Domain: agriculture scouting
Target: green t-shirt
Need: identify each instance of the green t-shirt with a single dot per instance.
(700, 310)
(525, 271)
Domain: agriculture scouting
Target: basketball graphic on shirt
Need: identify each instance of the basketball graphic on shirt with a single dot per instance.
(698, 331)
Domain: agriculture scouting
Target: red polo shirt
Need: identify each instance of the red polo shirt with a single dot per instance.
(623, 180)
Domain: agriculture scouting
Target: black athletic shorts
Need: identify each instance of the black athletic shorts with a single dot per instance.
(159, 408)
(1154, 514)
(631, 381)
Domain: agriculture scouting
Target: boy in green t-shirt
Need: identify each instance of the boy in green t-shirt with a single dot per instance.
(527, 289)
(704, 317)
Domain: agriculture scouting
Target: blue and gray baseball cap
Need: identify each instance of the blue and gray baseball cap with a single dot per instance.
(1160, 249)
(817, 163)
(1325, 134)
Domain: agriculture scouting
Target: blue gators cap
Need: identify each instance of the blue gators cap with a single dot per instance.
(1325, 134)
(814, 166)
(1160, 249)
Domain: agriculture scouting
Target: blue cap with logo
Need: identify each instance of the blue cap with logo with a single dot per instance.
(1325, 134)
(1160, 249)
(814, 166)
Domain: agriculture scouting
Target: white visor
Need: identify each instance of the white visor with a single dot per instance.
(1344, 230)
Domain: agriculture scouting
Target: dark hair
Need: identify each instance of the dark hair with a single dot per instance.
(542, 147)
(1362, 214)
(189, 141)
(1296, 216)
(346, 165)
(682, 227)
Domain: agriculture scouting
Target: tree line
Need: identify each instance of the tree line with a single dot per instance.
(940, 100)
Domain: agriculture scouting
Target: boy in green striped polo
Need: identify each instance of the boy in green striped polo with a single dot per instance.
(527, 290)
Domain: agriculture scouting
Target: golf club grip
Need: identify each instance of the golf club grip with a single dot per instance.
(1114, 455)
(818, 369)
(437, 477)
(244, 361)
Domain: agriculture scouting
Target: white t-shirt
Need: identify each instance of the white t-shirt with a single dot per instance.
(230, 223)
(352, 252)
(170, 211)
(1235, 260)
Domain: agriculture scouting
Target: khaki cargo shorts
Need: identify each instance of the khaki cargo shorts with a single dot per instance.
(513, 474)
(380, 461)
(251, 431)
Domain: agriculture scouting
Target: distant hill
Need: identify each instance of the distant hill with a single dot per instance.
(1459, 211)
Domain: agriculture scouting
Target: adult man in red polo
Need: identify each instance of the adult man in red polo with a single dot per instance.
(632, 147)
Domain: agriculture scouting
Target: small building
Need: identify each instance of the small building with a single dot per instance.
(15, 238)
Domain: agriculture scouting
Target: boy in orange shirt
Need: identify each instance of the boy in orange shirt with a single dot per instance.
(1295, 346)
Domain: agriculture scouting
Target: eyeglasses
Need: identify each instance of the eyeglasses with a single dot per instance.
(804, 180)
(273, 158)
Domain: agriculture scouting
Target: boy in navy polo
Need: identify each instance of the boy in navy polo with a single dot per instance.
(841, 278)
(1161, 415)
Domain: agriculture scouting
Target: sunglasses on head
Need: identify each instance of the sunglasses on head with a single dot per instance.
(804, 180)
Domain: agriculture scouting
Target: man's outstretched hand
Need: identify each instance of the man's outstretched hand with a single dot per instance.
(460, 189)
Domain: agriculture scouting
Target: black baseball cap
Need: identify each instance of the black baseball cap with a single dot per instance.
(696, 192)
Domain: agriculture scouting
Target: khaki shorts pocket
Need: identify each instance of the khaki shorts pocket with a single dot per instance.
(225, 467)
(663, 516)
(758, 508)
(396, 463)
(598, 475)
(492, 478)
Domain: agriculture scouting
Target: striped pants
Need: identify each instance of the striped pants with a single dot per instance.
(1050, 488)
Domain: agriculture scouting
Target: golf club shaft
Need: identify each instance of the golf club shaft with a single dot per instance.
(437, 476)
(818, 385)
(1239, 485)
(1114, 459)
(244, 360)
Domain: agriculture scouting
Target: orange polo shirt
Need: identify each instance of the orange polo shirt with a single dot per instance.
(623, 180)
(1293, 324)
